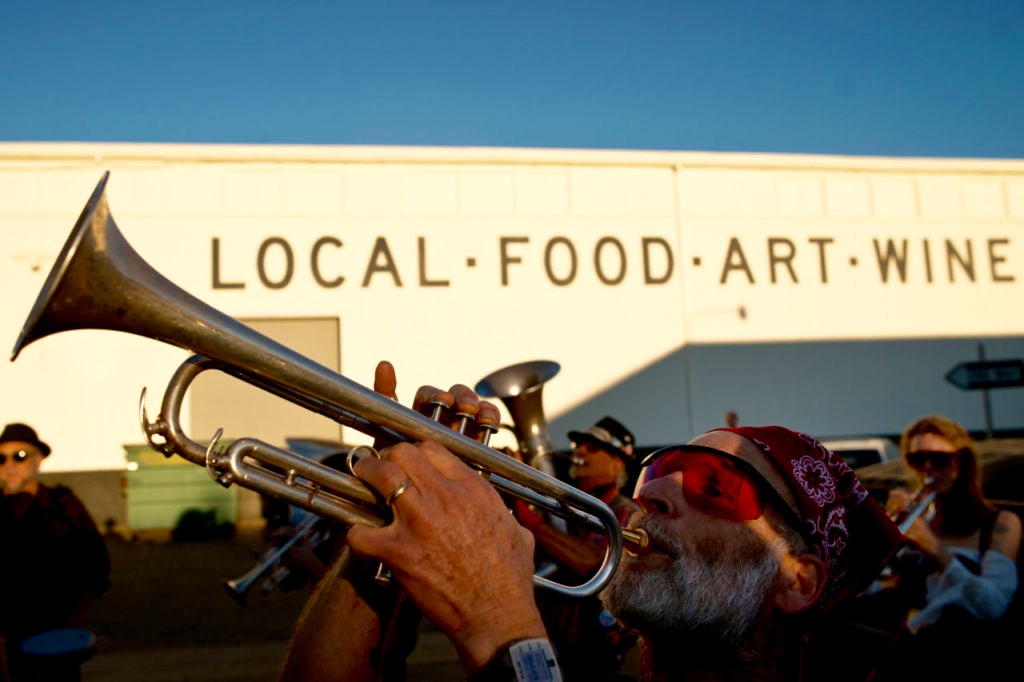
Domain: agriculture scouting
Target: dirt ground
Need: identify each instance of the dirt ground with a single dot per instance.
(168, 618)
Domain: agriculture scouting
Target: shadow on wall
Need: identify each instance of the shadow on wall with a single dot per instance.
(839, 389)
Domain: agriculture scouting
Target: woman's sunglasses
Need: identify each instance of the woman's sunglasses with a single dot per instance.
(939, 459)
(18, 457)
(717, 483)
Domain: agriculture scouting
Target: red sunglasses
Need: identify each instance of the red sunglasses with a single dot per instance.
(939, 459)
(718, 483)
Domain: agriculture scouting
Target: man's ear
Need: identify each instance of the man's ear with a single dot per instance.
(803, 583)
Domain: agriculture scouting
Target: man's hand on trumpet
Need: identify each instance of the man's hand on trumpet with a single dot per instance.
(453, 546)
(459, 408)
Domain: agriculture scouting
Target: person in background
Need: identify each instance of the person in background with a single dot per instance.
(958, 579)
(731, 418)
(588, 639)
(55, 561)
(757, 534)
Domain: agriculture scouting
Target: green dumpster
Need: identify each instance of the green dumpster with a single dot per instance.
(160, 489)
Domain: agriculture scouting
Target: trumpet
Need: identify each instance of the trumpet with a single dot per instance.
(922, 501)
(269, 570)
(99, 282)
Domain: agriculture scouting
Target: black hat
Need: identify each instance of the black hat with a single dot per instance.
(609, 434)
(25, 434)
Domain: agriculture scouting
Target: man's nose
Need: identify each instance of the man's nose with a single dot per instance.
(660, 495)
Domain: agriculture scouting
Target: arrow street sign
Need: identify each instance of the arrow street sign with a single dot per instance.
(970, 376)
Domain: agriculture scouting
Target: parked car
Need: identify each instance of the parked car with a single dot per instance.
(862, 452)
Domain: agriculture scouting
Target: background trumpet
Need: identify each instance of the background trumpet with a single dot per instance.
(270, 571)
(922, 501)
(100, 282)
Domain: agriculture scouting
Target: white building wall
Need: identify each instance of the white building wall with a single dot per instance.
(459, 261)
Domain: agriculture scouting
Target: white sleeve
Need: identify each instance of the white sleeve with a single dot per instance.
(986, 596)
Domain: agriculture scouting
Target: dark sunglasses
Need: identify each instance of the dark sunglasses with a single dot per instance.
(718, 483)
(939, 459)
(18, 457)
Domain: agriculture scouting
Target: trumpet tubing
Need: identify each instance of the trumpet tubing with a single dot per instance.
(922, 502)
(99, 282)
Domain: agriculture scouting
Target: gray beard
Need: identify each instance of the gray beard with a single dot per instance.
(710, 588)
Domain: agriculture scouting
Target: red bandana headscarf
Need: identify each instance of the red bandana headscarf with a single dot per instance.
(848, 530)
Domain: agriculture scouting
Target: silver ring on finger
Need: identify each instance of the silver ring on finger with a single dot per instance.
(397, 492)
(356, 454)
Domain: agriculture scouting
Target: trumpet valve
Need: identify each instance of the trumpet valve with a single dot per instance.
(487, 429)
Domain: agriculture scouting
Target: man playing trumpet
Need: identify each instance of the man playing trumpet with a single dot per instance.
(757, 532)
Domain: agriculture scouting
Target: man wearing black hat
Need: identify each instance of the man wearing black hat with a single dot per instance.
(588, 639)
(55, 562)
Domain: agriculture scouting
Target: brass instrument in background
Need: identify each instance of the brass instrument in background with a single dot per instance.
(99, 282)
(922, 501)
(520, 388)
(269, 571)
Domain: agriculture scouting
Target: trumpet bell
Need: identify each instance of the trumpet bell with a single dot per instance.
(99, 282)
(70, 280)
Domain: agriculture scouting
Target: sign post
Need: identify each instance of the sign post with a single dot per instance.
(985, 374)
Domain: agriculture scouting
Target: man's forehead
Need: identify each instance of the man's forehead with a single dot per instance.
(743, 448)
(15, 445)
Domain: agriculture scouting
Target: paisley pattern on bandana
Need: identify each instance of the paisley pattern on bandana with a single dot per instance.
(844, 526)
(815, 479)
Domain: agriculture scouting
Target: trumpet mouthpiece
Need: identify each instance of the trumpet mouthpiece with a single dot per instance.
(636, 542)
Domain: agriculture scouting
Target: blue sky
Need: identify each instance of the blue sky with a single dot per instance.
(875, 77)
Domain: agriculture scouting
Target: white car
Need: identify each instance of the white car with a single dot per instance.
(861, 452)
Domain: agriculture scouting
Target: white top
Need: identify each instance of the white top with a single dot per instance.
(985, 596)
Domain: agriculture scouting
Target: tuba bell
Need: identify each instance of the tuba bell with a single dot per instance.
(99, 282)
(520, 388)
